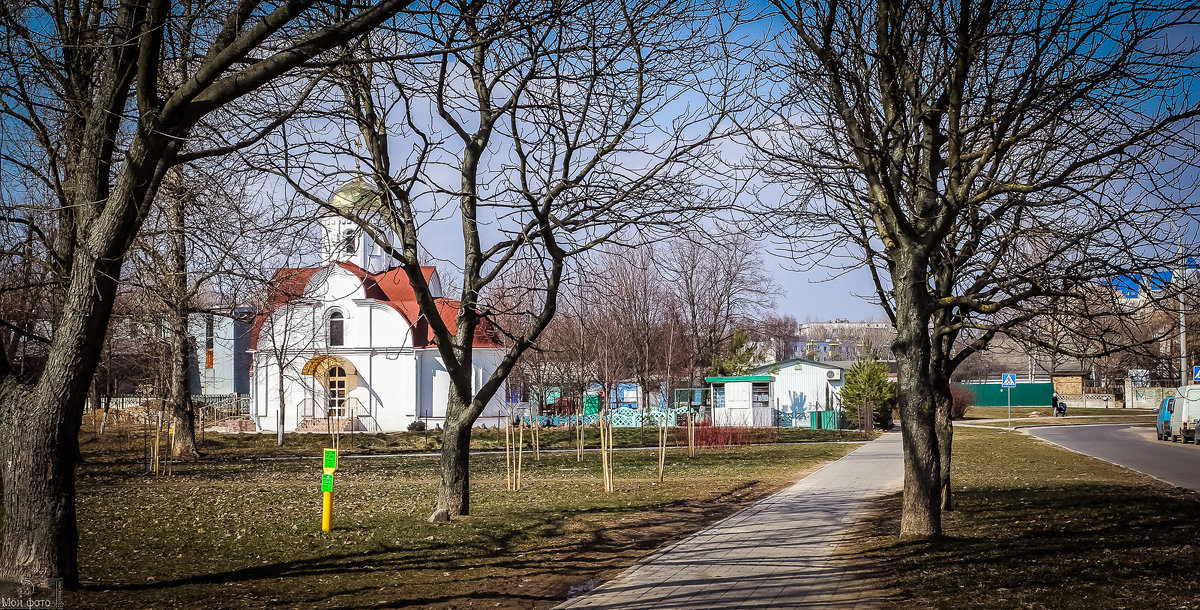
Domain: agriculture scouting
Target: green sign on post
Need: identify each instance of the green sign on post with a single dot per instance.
(330, 460)
(327, 482)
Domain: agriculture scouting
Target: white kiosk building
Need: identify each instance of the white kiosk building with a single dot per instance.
(344, 345)
(742, 400)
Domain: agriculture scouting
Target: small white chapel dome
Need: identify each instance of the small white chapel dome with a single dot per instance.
(354, 194)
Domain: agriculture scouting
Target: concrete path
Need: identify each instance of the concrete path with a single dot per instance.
(773, 554)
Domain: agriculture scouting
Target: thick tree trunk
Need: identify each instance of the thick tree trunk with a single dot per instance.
(945, 434)
(39, 433)
(40, 535)
(921, 512)
(179, 393)
(454, 491)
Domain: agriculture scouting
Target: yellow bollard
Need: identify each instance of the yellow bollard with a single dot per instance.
(326, 511)
(329, 466)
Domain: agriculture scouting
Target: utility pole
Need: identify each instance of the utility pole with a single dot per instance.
(1181, 282)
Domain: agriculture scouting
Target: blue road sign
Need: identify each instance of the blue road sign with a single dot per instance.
(1196, 373)
(1009, 380)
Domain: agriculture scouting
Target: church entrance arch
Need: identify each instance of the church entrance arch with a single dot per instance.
(334, 377)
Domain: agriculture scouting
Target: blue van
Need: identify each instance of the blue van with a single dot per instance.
(1163, 429)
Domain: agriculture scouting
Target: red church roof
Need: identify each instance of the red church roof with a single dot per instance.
(286, 285)
(390, 287)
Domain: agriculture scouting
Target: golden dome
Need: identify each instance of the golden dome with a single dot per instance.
(354, 194)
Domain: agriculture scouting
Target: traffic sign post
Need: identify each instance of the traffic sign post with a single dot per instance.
(1008, 381)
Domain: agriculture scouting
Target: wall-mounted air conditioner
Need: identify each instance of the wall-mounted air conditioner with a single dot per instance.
(833, 374)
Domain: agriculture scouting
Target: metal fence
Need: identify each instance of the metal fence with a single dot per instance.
(815, 420)
(210, 408)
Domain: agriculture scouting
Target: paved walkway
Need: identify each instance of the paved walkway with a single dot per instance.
(773, 554)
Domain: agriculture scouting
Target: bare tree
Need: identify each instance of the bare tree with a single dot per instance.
(777, 335)
(97, 102)
(637, 298)
(985, 160)
(544, 130)
(721, 286)
(286, 331)
(198, 241)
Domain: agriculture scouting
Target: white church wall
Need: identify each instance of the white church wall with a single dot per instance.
(486, 363)
(434, 384)
(298, 390)
(390, 389)
(288, 330)
(389, 392)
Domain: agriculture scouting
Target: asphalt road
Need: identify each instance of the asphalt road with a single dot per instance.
(1131, 447)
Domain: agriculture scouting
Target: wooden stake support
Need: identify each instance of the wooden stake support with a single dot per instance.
(691, 433)
(520, 450)
(662, 448)
(157, 443)
(579, 434)
(536, 437)
(611, 482)
(603, 453)
(508, 461)
(606, 455)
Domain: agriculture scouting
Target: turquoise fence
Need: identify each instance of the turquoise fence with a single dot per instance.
(815, 420)
(826, 420)
(1024, 395)
(634, 418)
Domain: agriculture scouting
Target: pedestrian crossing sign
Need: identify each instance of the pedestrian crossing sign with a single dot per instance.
(1196, 373)
(1008, 380)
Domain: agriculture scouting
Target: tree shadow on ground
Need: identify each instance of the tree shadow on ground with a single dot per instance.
(499, 570)
(1060, 544)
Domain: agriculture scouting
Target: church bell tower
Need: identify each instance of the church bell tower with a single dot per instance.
(342, 240)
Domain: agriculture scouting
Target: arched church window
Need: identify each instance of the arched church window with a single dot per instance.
(350, 241)
(337, 392)
(337, 327)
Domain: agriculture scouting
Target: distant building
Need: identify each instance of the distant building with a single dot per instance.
(841, 339)
(221, 360)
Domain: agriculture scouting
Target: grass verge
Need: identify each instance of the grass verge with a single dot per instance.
(131, 442)
(1037, 526)
(246, 534)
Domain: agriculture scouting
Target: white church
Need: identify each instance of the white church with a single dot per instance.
(344, 346)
